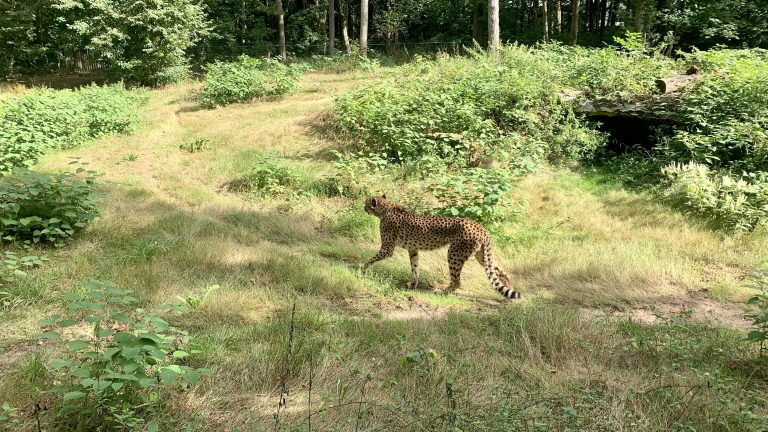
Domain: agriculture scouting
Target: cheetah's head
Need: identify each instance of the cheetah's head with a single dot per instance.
(375, 204)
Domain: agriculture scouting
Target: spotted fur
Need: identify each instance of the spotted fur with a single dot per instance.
(465, 237)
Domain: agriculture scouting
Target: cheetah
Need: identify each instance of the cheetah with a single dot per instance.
(401, 227)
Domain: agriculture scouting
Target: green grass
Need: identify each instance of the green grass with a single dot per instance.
(581, 242)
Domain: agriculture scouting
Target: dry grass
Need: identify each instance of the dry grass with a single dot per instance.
(171, 230)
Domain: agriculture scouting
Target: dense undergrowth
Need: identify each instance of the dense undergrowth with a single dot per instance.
(719, 154)
(41, 120)
(506, 112)
(245, 79)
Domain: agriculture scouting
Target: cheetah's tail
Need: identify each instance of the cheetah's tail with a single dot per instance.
(499, 283)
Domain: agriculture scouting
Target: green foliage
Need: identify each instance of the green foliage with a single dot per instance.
(9, 416)
(40, 120)
(466, 109)
(196, 146)
(246, 79)
(726, 113)
(195, 301)
(46, 209)
(721, 149)
(114, 377)
(269, 176)
(343, 62)
(739, 203)
(622, 74)
(476, 193)
(12, 267)
(758, 311)
(143, 41)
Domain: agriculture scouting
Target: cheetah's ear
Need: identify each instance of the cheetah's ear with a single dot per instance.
(384, 196)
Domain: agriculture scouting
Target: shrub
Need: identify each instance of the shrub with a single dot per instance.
(343, 62)
(270, 176)
(114, 377)
(40, 120)
(11, 267)
(726, 113)
(246, 79)
(40, 208)
(739, 203)
(613, 73)
(476, 193)
(464, 110)
(758, 310)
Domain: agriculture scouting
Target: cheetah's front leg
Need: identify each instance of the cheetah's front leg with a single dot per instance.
(386, 251)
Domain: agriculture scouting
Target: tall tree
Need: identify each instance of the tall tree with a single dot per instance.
(544, 15)
(639, 16)
(477, 30)
(150, 47)
(344, 10)
(364, 27)
(281, 29)
(331, 26)
(559, 17)
(494, 39)
(574, 21)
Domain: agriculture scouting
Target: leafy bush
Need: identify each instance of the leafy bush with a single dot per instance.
(40, 120)
(343, 62)
(465, 110)
(246, 79)
(11, 267)
(114, 377)
(719, 155)
(614, 73)
(739, 203)
(476, 193)
(726, 113)
(759, 310)
(40, 208)
(270, 176)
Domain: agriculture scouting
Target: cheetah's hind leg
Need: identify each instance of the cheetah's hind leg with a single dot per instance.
(458, 254)
(414, 282)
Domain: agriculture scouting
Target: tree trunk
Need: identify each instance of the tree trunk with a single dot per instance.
(639, 16)
(559, 18)
(364, 27)
(78, 60)
(574, 21)
(613, 11)
(345, 26)
(331, 26)
(603, 14)
(494, 38)
(588, 15)
(281, 29)
(243, 26)
(545, 16)
(477, 30)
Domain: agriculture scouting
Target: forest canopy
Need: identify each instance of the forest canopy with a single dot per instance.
(155, 41)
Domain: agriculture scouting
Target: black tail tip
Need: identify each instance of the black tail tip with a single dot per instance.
(511, 294)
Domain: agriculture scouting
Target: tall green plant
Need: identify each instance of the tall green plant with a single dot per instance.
(40, 120)
(117, 376)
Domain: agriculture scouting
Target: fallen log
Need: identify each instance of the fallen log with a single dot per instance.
(675, 83)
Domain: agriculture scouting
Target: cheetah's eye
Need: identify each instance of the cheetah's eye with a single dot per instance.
(373, 203)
